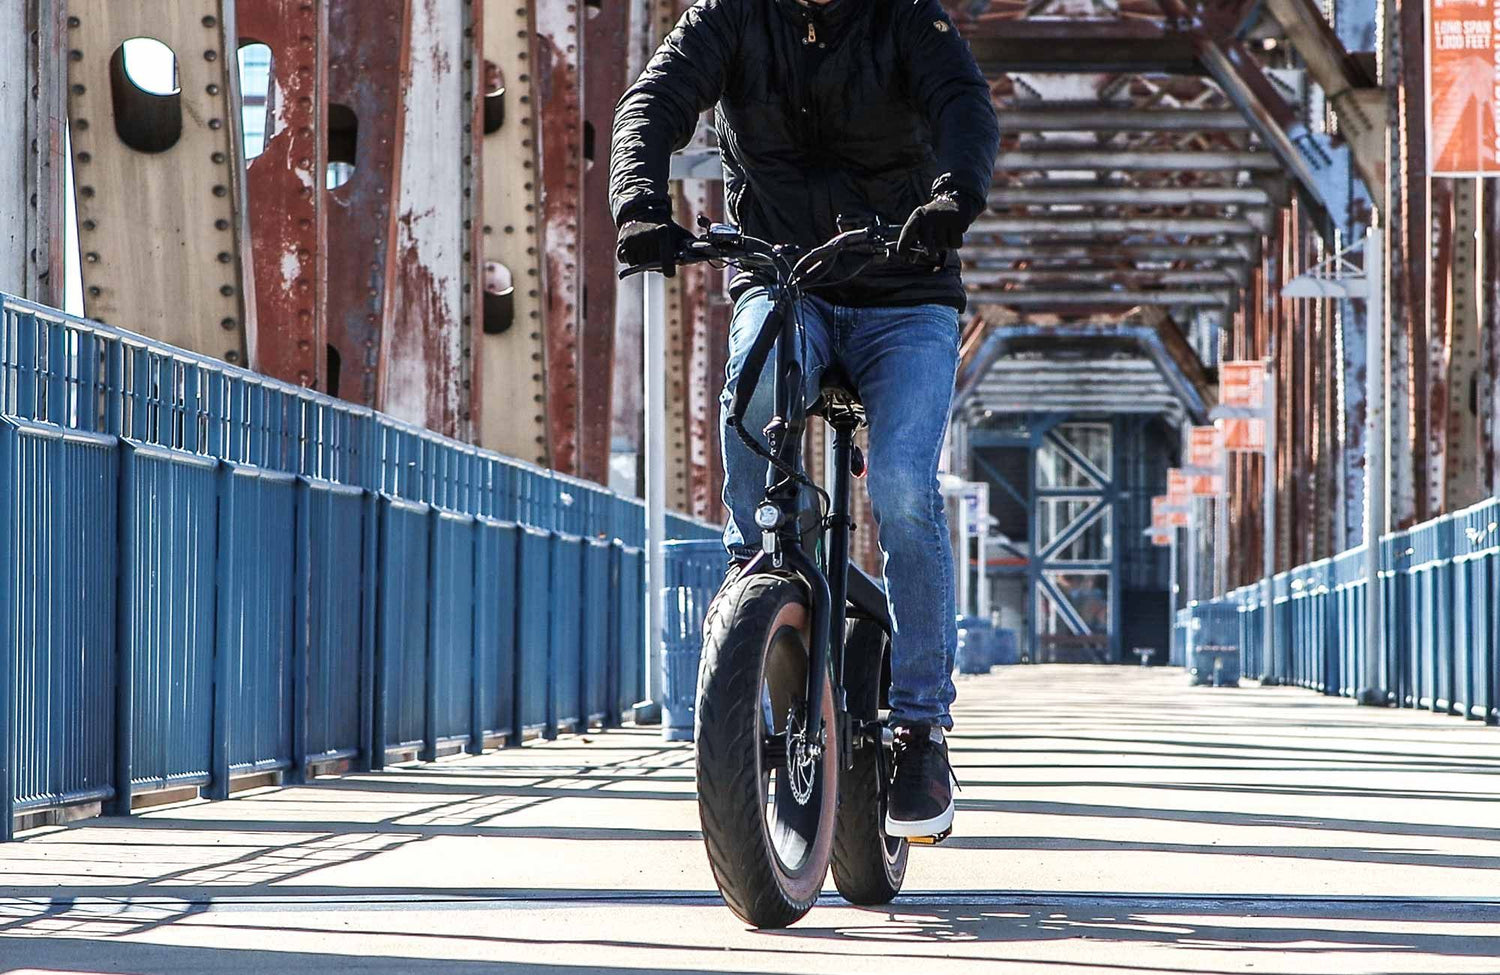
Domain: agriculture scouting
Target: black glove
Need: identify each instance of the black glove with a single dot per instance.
(651, 240)
(936, 227)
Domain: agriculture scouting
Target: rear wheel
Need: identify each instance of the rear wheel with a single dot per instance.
(869, 867)
(767, 793)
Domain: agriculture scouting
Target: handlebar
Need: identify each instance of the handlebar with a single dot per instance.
(724, 243)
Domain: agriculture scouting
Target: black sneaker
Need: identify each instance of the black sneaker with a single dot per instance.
(921, 799)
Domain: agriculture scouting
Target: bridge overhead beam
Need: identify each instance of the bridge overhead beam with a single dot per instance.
(1055, 251)
(1129, 278)
(1073, 194)
(1071, 226)
(1076, 297)
(1357, 100)
(1085, 159)
(1107, 117)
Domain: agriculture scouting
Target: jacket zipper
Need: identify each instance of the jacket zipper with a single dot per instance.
(812, 33)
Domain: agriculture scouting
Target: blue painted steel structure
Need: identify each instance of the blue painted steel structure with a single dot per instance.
(1441, 586)
(208, 573)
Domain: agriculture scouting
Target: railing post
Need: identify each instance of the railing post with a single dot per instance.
(124, 763)
(224, 572)
(429, 655)
(7, 630)
(301, 628)
(368, 603)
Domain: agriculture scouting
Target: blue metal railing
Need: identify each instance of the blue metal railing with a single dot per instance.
(205, 573)
(1440, 619)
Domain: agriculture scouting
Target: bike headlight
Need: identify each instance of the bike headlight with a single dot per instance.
(767, 516)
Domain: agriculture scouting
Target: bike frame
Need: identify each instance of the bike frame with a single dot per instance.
(828, 590)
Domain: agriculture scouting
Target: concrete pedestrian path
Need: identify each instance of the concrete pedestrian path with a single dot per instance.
(1112, 820)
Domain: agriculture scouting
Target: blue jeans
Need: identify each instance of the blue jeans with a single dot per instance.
(902, 362)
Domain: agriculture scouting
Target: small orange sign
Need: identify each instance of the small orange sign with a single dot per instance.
(1163, 540)
(1177, 485)
(1463, 87)
(1243, 384)
(1167, 514)
(1206, 485)
(1205, 449)
(1245, 435)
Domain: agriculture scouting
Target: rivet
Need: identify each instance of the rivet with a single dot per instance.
(210, 55)
(215, 124)
(227, 291)
(221, 224)
(79, 89)
(85, 158)
(210, 21)
(76, 55)
(231, 356)
(212, 89)
(228, 324)
(225, 257)
(221, 191)
(218, 158)
(91, 257)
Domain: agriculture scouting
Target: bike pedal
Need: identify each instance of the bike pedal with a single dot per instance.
(930, 840)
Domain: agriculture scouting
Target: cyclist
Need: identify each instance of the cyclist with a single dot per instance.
(826, 109)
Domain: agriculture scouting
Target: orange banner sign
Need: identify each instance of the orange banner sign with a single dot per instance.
(1245, 435)
(1205, 447)
(1167, 514)
(1243, 384)
(1163, 540)
(1206, 485)
(1463, 87)
(1177, 485)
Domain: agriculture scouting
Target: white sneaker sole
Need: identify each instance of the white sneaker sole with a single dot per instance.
(935, 826)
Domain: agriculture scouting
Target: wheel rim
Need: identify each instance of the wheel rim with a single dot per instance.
(797, 796)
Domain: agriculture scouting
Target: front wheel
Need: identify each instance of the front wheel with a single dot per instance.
(767, 792)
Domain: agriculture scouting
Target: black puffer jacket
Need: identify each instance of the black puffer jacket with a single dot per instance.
(855, 108)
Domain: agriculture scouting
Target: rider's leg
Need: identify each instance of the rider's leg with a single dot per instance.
(904, 360)
(744, 471)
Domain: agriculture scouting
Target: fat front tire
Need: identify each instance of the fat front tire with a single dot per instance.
(768, 829)
(868, 866)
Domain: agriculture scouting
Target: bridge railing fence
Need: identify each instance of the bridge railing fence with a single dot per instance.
(207, 574)
(1440, 619)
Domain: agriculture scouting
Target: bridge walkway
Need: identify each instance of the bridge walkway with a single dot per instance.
(1111, 820)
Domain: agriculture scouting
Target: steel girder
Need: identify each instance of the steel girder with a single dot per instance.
(33, 115)
(289, 224)
(368, 61)
(160, 177)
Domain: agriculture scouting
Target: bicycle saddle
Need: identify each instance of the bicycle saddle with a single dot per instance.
(837, 400)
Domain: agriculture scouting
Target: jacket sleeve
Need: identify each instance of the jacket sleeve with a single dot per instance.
(659, 113)
(951, 91)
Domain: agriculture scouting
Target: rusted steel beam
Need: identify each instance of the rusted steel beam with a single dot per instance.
(369, 61)
(702, 387)
(558, 63)
(1410, 246)
(423, 372)
(1435, 345)
(512, 353)
(288, 219)
(1490, 290)
(33, 114)
(159, 177)
(606, 45)
(1463, 474)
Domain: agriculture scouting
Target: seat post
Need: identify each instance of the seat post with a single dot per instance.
(839, 526)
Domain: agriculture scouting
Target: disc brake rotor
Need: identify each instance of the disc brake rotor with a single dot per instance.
(802, 757)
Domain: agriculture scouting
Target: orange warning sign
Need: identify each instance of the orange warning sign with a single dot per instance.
(1463, 85)
(1245, 435)
(1243, 384)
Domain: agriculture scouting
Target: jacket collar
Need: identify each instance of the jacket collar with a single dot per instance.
(830, 16)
